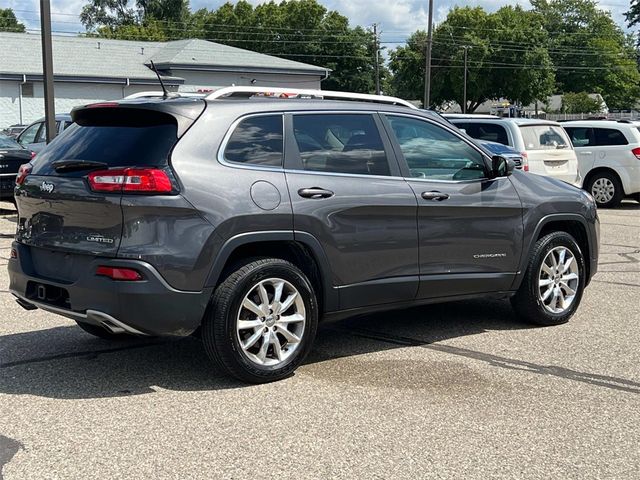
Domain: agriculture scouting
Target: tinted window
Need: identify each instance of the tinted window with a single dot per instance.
(29, 135)
(256, 140)
(139, 140)
(340, 143)
(543, 137)
(580, 137)
(433, 152)
(485, 131)
(609, 136)
(8, 142)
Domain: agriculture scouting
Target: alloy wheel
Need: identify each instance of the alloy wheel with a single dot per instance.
(270, 322)
(558, 280)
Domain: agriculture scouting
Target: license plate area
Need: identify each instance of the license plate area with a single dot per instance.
(49, 294)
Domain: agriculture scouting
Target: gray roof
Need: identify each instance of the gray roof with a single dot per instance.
(204, 55)
(90, 57)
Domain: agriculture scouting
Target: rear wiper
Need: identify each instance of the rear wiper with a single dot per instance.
(76, 165)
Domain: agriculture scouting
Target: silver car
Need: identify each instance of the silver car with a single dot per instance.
(34, 137)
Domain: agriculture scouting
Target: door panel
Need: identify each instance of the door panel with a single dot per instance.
(365, 222)
(469, 226)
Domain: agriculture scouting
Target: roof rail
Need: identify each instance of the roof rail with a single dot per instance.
(302, 93)
(154, 94)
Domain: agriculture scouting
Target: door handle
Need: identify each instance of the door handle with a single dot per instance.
(585, 153)
(439, 196)
(315, 192)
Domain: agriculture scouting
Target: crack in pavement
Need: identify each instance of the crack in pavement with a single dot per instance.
(8, 448)
(90, 354)
(606, 381)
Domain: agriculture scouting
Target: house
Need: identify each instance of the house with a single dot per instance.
(89, 69)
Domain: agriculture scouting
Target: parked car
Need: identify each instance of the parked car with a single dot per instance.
(545, 147)
(34, 137)
(12, 155)
(14, 130)
(608, 157)
(172, 216)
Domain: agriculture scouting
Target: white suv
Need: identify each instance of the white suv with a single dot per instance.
(608, 157)
(544, 145)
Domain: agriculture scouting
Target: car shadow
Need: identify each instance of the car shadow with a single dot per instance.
(64, 362)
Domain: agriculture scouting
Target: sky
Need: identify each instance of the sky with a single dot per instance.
(396, 19)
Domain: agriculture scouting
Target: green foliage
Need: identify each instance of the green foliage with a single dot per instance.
(9, 22)
(590, 52)
(299, 30)
(495, 68)
(580, 102)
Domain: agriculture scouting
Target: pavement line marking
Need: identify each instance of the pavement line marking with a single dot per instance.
(502, 362)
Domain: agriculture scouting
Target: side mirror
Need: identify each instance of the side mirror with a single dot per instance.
(501, 167)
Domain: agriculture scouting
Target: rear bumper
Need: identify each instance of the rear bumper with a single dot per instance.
(146, 307)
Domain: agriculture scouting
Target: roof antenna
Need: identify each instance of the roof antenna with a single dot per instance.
(165, 92)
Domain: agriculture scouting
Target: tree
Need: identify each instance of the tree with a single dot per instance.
(300, 30)
(506, 58)
(108, 17)
(590, 52)
(9, 22)
(580, 102)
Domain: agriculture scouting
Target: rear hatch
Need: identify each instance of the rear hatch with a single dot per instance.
(70, 201)
(12, 155)
(550, 152)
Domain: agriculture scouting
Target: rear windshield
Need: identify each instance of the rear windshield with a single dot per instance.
(544, 137)
(8, 142)
(128, 142)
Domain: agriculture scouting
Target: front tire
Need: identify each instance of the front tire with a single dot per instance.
(606, 189)
(552, 288)
(262, 321)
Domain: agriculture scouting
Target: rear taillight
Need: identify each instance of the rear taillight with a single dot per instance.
(33, 155)
(134, 180)
(14, 253)
(23, 171)
(636, 152)
(119, 273)
(525, 161)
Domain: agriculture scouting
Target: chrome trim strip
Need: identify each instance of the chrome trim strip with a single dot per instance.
(8, 174)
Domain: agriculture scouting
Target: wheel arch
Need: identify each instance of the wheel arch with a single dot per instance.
(573, 224)
(300, 248)
(593, 172)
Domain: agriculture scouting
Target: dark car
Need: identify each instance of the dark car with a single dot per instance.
(12, 155)
(248, 220)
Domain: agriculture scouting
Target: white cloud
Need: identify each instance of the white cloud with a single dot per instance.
(396, 18)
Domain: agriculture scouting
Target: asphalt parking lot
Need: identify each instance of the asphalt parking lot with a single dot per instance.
(447, 391)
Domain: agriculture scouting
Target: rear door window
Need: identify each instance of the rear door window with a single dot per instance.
(544, 137)
(340, 143)
(119, 139)
(581, 136)
(489, 132)
(609, 136)
(257, 141)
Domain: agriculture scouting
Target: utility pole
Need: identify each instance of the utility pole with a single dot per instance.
(47, 69)
(377, 48)
(427, 67)
(464, 95)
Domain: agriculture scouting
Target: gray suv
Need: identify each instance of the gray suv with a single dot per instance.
(247, 220)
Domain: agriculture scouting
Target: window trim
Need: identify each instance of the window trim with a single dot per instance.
(251, 166)
(293, 161)
(404, 166)
(39, 125)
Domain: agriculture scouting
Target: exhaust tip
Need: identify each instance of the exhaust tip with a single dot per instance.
(112, 327)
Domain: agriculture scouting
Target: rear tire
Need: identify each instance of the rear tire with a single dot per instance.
(606, 189)
(268, 340)
(552, 288)
(103, 333)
